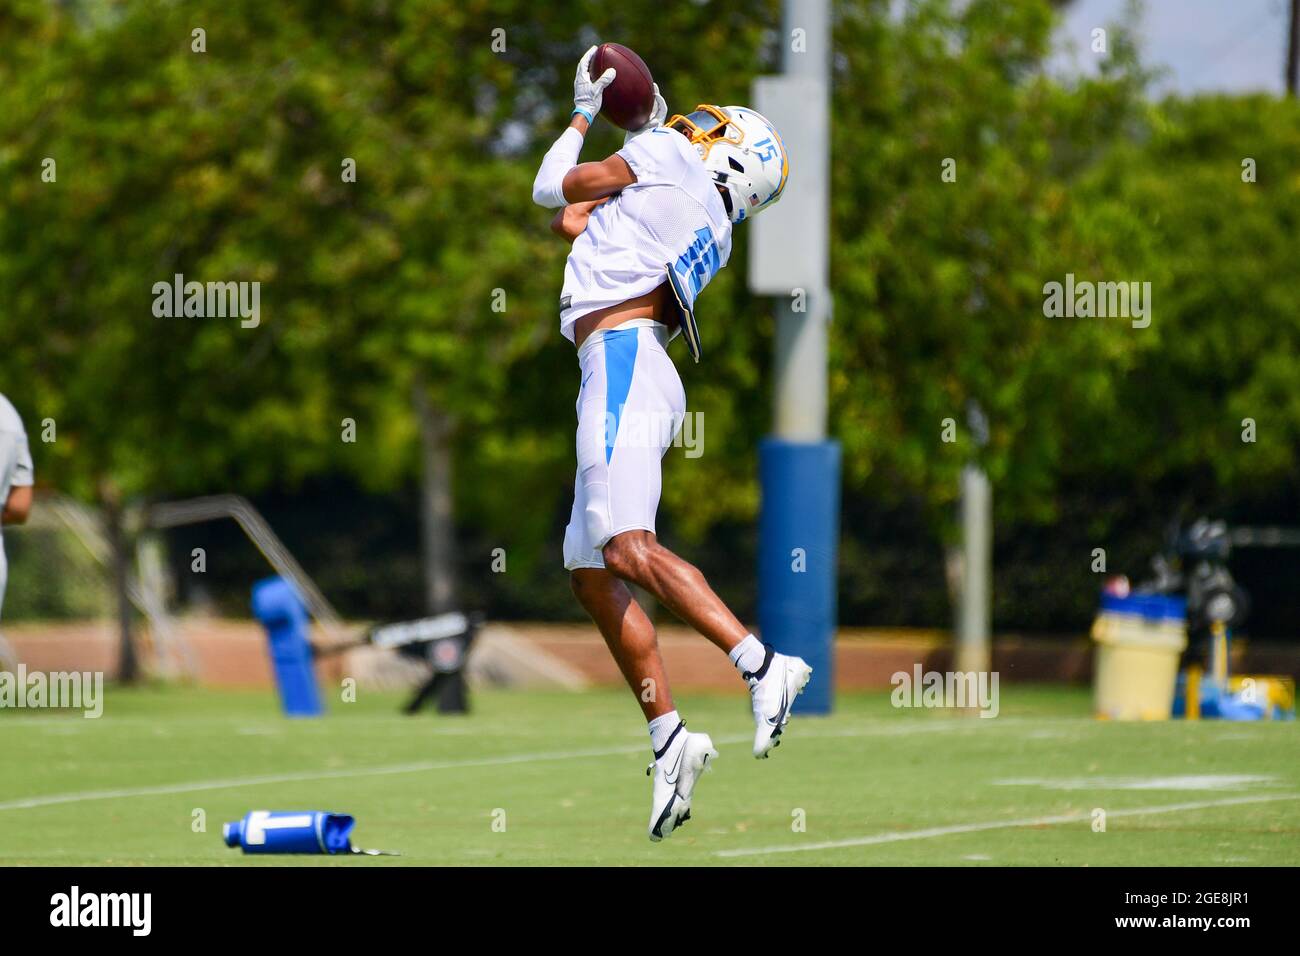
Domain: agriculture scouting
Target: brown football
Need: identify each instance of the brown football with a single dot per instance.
(630, 99)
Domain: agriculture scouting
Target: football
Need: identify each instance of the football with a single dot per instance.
(630, 99)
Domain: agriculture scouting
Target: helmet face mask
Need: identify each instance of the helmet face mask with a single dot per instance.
(706, 126)
(742, 151)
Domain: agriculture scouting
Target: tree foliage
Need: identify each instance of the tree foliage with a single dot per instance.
(226, 165)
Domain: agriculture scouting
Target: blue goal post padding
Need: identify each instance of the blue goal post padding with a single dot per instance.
(798, 532)
(284, 615)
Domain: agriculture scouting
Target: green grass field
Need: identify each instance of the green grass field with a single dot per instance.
(875, 785)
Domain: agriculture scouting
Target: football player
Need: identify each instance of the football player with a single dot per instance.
(15, 496)
(650, 226)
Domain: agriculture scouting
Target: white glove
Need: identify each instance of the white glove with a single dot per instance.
(587, 93)
(657, 117)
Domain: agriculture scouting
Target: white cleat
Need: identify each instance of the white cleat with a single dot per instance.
(773, 688)
(675, 773)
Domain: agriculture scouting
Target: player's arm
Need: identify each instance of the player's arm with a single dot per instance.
(16, 458)
(570, 221)
(561, 180)
(18, 506)
(588, 181)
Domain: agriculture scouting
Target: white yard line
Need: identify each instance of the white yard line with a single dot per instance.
(55, 799)
(883, 729)
(931, 832)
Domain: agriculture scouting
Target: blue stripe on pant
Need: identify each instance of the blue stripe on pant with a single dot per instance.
(620, 361)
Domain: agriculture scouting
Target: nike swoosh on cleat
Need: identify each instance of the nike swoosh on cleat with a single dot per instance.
(777, 720)
(670, 776)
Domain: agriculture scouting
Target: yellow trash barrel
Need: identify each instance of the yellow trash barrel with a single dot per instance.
(1139, 641)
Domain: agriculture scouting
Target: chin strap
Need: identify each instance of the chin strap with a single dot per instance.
(726, 200)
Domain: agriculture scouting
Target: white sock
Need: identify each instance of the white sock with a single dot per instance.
(661, 728)
(748, 655)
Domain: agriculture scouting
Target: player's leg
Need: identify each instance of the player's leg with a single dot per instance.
(637, 556)
(774, 680)
(623, 521)
(608, 362)
(641, 426)
(8, 656)
(679, 757)
(628, 634)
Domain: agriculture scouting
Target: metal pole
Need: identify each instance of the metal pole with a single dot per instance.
(799, 468)
(1293, 49)
(974, 611)
(799, 390)
(251, 522)
(801, 336)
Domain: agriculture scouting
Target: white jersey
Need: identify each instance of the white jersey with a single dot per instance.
(671, 218)
(15, 469)
(15, 456)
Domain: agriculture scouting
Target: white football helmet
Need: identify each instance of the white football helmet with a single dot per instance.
(743, 152)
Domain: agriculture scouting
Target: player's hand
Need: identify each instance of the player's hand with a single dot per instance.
(587, 93)
(571, 221)
(657, 117)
